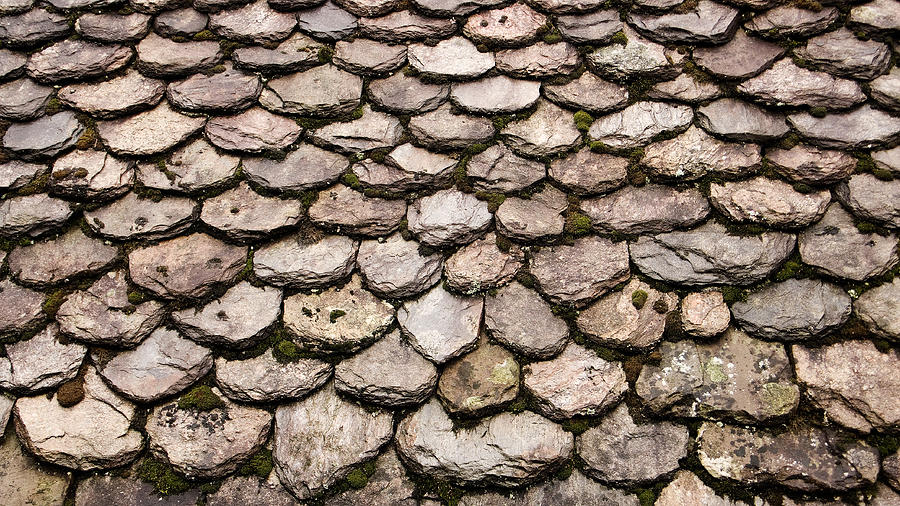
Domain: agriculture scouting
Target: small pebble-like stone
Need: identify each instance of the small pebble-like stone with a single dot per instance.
(481, 265)
(396, 268)
(634, 317)
(255, 130)
(479, 381)
(441, 325)
(448, 217)
(305, 262)
(265, 379)
(704, 314)
(521, 320)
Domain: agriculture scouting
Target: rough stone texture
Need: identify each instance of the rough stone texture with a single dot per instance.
(878, 309)
(20, 308)
(499, 169)
(482, 265)
(495, 95)
(453, 7)
(396, 268)
(709, 22)
(113, 27)
(244, 215)
(615, 320)
(808, 164)
(687, 488)
(736, 377)
(387, 486)
(24, 99)
(303, 262)
(96, 433)
(741, 121)
(886, 90)
(304, 168)
(91, 175)
(863, 127)
(637, 57)
(835, 246)
(229, 90)
(575, 383)
(297, 53)
(539, 60)
(252, 131)
(132, 217)
(685, 88)
(505, 450)
(54, 261)
(32, 28)
(547, 132)
(786, 83)
(653, 448)
(695, 153)
(871, 199)
(369, 57)
(519, 319)
(539, 217)
(709, 254)
(454, 58)
(103, 315)
(441, 129)
(187, 266)
(841, 53)
(32, 215)
(405, 25)
(345, 318)
(441, 325)
(768, 201)
(106, 489)
(16, 173)
(596, 27)
(327, 22)
(479, 381)
(741, 58)
(237, 319)
(148, 133)
(888, 159)
(162, 365)
(793, 310)
(580, 272)
(639, 123)
(792, 21)
(183, 22)
(77, 60)
(265, 379)
(589, 93)
(252, 23)
(800, 457)
(846, 380)
(704, 314)
(323, 90)
(319, 440)
(348, 210)
(40, 363)
(160, 57)
(448, 217)
(195, 167)
(627, 211)
(406, 168)
(587, 173)
(251, 490)
(44, 137)
(207, 444)
(515, 25)
(24, 480)
(12, 64)
(407, 95)
(375, 130)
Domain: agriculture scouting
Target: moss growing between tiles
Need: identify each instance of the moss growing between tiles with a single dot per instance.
(200, 398)
(260, 464)
(161, 475)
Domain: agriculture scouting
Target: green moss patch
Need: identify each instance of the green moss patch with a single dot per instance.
(200, 398)
(163, 478)
(260, 464)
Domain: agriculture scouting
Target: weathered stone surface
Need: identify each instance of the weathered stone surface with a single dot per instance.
(704, 314)
(125, 94)
(835, 246)
(441, 129)
(44, 137)
(32, 215)
(768, 201)
(369, 8)
(226, 91)
(695, 153)
(16, 6)
(251, 490)
(113, 27)
(847, 380)
(512, 26)
(454, 58)
(103, 315)
(20, 308)
(482, 265)
(327, 21)
(407, 95)
(448, 217)
(575, 490)
(479, 381)
(540, 216)
(863, 127)
(808, 164)
(207, 444)
(389, 373)
(441, 325)
(304, 168)
(244, 215)
(499, 169)
(406, 25)
(453, 7)
(786, 83)
(886, 159)
(505, 450)
(707, 23)
(741, 121)
(575, 383)
(159, 57)
(40, 363)
(32, 28)
(869, 198)
(94, 175)
(132, 217)
(387, 486)
(520, 319)
(709, 255)
(348, 210)
(616, 320)
(628, 211)
(886, 90)
(323, 90)
(587, 173)
(580, 272)
(12, 64)
(878, 14)
(637, 57)
(539, 60)
(736, 377)
(162, 365)
(495, 95)
(24, 480)
(547, 132)
(395, 267)
(792, 21)
(254, 23)
(96, 433)
(187, 266)
(255, 130)
(891, 467)
(597, 27)
(374, 130)
(589, 93)
(16, 173)
(800, 457)
(639, 123)
(23, 99)
(148, 133)
(320, 439)
(339, 319)
(685, 88)
(297, 53)
(54, 261)
(406, 168)
(237, 319)
(369, 57)
(687, 488)
(266, 379)
(107, 489)
(841, 53)
(741, 58)
(653, 449)
(879, 309)
(305, 262)
(195, 167)
(183, 22)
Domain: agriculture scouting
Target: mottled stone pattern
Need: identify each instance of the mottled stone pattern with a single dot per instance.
(475, 252)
